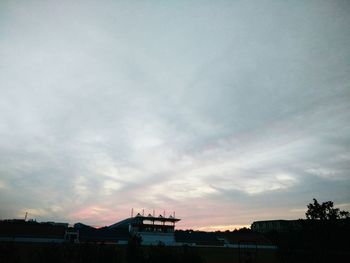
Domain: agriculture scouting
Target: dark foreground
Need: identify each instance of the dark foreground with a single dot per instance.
(91, 253)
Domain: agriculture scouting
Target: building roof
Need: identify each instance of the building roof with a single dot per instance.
(140, 218)
(21, 228)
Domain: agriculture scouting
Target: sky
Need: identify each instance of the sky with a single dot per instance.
(225, 112)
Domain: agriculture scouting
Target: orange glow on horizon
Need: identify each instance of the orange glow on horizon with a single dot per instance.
(215, 228)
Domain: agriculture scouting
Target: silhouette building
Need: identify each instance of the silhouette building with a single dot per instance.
(152, 230)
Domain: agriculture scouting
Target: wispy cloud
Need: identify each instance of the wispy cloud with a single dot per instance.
(225, 112)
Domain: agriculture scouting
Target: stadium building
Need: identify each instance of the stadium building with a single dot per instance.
(153, 230)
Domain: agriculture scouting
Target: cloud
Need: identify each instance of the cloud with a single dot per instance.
(226, 107)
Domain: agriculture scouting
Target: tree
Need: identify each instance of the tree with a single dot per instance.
(324, 211)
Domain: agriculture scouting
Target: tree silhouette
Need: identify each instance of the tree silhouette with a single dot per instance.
(324, 211)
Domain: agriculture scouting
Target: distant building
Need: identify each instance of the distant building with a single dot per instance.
(276, 225)
(31, 231)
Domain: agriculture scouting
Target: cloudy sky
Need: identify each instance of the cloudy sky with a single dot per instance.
(223, 111)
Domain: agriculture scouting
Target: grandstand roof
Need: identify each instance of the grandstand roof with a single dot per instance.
(140, 218)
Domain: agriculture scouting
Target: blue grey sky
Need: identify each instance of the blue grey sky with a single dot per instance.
(223, 111)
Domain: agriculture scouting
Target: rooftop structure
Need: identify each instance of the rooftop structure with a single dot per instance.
(152, 229)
